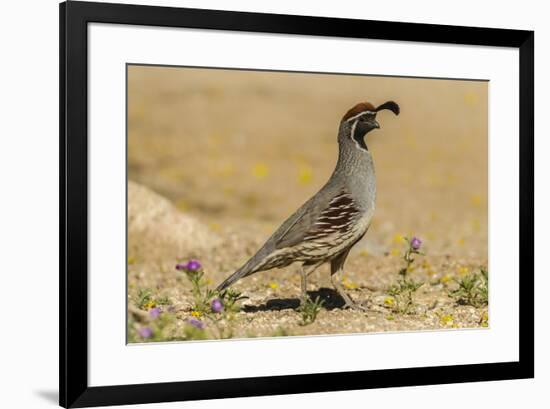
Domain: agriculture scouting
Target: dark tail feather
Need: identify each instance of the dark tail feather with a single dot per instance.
(230, 280)
(244, 271)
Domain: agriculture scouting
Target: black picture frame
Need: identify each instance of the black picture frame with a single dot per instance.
(73, 349)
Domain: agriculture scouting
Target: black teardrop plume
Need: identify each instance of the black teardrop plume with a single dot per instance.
(392, 106)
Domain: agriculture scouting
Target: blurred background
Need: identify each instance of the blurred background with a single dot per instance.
(246, 148)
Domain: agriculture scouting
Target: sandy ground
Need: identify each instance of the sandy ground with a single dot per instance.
(234, 153)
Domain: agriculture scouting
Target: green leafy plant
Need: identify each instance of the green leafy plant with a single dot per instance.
(230, 300)
(473, 289)
(143, 298)
(309, 309)
(401, 294)
(216, 308)
(146, 300)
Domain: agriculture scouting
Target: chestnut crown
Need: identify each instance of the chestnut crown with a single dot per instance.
(364, 107)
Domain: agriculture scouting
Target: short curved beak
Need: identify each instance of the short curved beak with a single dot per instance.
(374, 123)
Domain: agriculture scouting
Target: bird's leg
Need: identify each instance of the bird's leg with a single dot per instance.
(304, 296)
(336, 267)
(349, 303)
(305, 270)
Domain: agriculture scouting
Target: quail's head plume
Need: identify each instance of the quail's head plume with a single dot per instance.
(329, 224)
(361, 119)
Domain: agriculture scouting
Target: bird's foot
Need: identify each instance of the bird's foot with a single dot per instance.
(348, 301)
(352, 305)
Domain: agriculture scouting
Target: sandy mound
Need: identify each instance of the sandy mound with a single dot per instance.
(158, 230)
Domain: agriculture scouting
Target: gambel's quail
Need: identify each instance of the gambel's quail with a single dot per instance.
(328, 225)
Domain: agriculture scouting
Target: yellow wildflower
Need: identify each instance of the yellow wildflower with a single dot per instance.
(398, 239)
(389, 301)
(260, 170)
(150, 304)
(476, 200)
(427, 267)
(214, 226)
(431, 273)
(447, 320)
(196, 314)
(350, 285)
(273, 285)
(305, 175)
(463, 270)
(485, 320)
(445, 279)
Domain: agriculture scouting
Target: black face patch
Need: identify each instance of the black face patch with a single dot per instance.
(359, 135)
(363, 126)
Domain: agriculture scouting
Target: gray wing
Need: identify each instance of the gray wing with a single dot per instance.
(325, 213)
(330, 210)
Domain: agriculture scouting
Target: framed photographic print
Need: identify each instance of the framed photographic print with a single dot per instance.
(257, 204)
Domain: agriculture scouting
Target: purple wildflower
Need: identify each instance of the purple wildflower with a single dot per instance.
(145, 332)
(416, 243)
(217, 305)
(193, 265)
(196, 323)
(154, 312)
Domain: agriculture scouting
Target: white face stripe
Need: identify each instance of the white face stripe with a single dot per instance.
(359, 114)
(353, 133)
